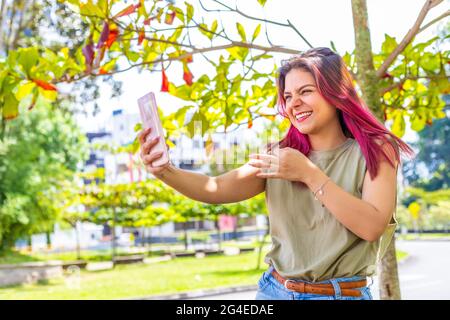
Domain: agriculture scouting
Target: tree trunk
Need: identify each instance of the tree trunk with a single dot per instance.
(113, 234)
(77, 236)
(185, 236)
(30, 243)
(388, 275)
(48, 239)
(367, 78)
(368, 82)
(219, 235)
(143, 237)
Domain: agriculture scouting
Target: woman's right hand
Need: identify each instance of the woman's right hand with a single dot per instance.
(147, 156)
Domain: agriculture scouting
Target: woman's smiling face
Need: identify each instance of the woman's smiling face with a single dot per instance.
(307, 110)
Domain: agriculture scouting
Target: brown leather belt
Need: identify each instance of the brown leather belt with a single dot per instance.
(347, 288)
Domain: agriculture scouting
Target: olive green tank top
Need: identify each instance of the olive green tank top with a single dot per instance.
(308, 242)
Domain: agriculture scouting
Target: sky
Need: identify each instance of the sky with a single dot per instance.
(320, 21)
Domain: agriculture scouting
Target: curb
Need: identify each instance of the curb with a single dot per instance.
(199, 293)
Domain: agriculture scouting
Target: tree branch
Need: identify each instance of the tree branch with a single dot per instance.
(429, 4)
(289, 24)
(398, 84)
(186, 55)
(442, 16)
(210, 49)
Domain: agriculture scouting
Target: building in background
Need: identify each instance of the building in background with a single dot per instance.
(189, 154)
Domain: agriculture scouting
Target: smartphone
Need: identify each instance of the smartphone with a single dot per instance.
(150, 119)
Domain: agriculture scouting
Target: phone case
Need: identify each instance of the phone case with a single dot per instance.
(150, 118)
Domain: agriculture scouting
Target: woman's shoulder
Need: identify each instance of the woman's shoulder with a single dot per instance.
(390, 149)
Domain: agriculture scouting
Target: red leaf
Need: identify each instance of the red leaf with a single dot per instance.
(165, 82)
(188, 59)
(429, 122)
(45, 85)
(187, 75)
(102, 71)
(387, 75)
(147, 21)
(250, 123)
(113, 34)
(88, 52)
(104, 35)
(127, 11)
(169, 17)
(141, 36)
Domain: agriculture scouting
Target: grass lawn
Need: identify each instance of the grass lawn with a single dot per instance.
(88, 255)
(424, 236)
(128, 281)
(138, 280)
(105, 255)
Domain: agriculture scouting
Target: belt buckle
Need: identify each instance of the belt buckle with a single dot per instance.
(286, 282)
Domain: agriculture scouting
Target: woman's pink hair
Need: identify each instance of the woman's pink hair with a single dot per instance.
(335, 84)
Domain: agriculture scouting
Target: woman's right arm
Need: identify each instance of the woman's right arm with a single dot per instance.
(234, 186)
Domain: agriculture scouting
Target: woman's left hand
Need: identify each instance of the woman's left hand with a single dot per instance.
(287, 163)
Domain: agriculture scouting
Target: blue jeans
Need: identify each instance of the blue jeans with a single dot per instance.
(270, 289)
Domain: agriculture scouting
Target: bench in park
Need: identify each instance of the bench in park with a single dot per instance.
(128, 259)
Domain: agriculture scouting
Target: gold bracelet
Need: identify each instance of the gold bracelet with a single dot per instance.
(320, 190)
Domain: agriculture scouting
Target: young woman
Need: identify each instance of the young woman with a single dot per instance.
(330, 184)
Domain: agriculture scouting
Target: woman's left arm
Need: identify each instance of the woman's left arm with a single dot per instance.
(367, 217)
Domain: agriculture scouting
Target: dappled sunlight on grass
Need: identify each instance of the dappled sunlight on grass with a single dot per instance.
(137, 280)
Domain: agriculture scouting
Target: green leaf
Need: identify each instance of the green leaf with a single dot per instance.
(24, 90)
(262, 56)
(179, 14)
(388, 45)
(90, 9)
(50, 95)
(137, 127)
(198, 121)
(234, 52)
(333, 46)
(205, 31)
(10, 106)
(241, 31)
(182, 92)
(214, 27)
(236, 84)
(176, 34)
(189, 12)
(262, 2)
(398, 127)
(418, 120)
(256, 32)
(180, 115)
(28, 58)
(133, 56)
(109, 65)
(103, 5)
(238, 53)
